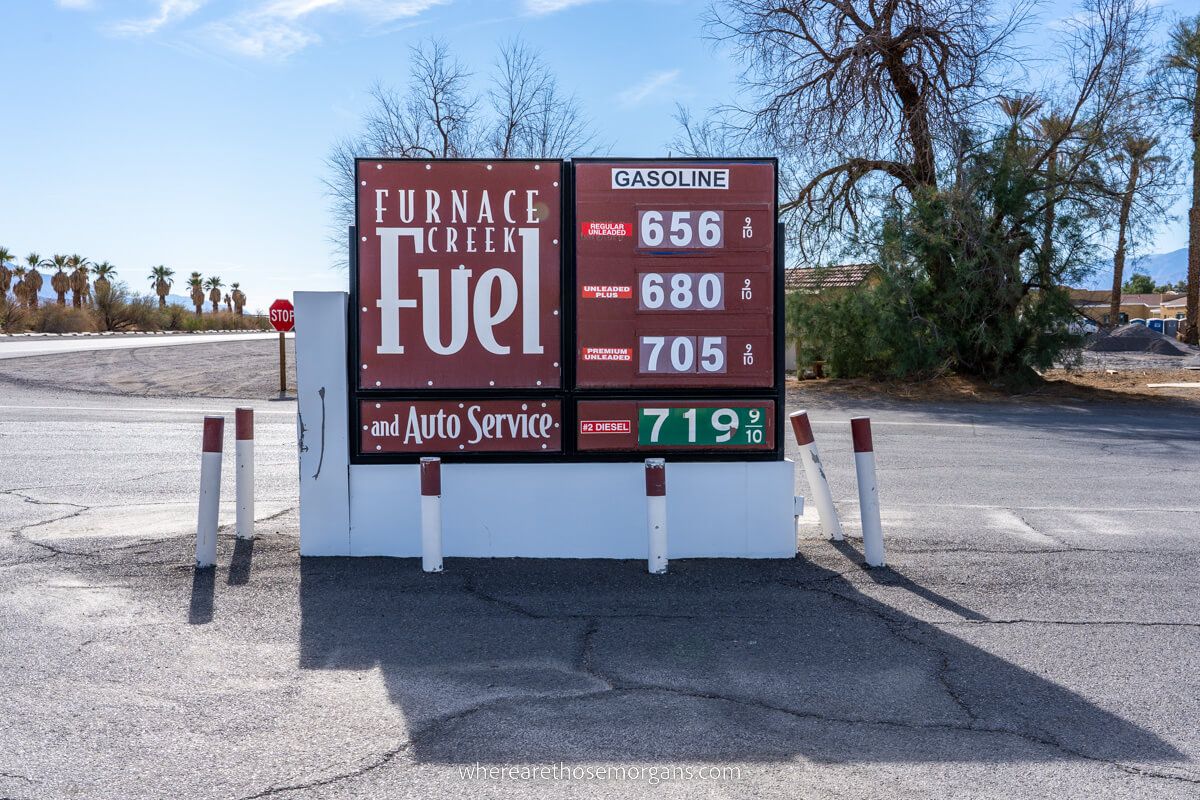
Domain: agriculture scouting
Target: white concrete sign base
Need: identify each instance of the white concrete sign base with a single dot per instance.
(570, 510)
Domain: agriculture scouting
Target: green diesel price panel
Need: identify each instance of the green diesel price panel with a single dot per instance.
(676, 425)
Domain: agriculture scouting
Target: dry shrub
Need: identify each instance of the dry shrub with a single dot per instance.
(54, 318)
(13, 317)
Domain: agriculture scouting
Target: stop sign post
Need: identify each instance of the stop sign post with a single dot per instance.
(283, 319)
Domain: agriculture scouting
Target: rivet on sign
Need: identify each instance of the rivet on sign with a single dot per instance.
(539, 166)
(462, 447)
(539, 383)
(556, 312)
(460, 405)
(556, 241)
(364, 366)
(429, 166)
(364, 183)
(543, 405)
(378, 447)
(377, 405)
(556, 363)
(364, 238)
(489, 166)
(379, 166)
(556, 183)
(379, 383)
(491, 383)
(429, 382)
(365, 311)
(555, 425)
(364, 427)
(543, 447)
(524, 407)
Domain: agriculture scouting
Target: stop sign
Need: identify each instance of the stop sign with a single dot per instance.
(283, 315)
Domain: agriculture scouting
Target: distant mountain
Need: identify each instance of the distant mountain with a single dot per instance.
(1162, 267)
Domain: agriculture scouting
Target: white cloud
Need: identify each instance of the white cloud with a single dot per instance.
(271, 28)
(653, 83)
(261, 39)
(168, 11)
(552, 6)
(277, 28)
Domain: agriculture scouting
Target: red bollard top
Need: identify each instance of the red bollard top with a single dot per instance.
(802, 427)
(214, 434)
(656, 477)
(860, 431)
(244, 423)
(431, 477)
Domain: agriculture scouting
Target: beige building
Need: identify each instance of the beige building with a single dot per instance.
(1097, 305)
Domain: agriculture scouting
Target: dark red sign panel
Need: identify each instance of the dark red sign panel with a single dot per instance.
(459, 274)
(675, 274)
(460, 426)
(675, 425)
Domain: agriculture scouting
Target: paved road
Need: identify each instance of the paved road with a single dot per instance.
(1036, 636)
(22, 346)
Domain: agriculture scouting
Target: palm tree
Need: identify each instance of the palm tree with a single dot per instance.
(18, 288)
(80, 289)
(60, 282)
(239, 299)
(1135, 151)
(5, 273)
(161, 280)
(33, 285)
(197, 284)
(214, 285)
(104, 273)
(1183, 65)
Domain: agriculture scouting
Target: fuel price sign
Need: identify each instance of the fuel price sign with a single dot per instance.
(674, 425)
(675, 271)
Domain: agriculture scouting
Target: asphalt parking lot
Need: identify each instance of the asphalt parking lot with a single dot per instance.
(1036, 633)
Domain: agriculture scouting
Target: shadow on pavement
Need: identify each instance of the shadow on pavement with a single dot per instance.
(511, 660)
(888, 576)
(239, 564)
(200, 611)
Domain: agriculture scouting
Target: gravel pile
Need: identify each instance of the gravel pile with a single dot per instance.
(1136, 339)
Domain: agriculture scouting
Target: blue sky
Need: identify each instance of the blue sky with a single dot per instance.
(193, 132)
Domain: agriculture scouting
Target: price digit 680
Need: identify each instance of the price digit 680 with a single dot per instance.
(681, 291)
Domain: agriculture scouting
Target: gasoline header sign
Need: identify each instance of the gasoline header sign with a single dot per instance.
(458, 272)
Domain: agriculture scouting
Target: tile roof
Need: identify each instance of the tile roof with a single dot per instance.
(814, 279)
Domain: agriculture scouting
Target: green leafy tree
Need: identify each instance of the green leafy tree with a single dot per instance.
(1138, 283)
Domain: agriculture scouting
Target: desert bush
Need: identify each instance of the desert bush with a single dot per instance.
(172, 317)
(224, 321)
(13, 317)
(117, 310)
(54, 318)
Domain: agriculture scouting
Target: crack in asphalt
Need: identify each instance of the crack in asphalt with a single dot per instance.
(381, 760)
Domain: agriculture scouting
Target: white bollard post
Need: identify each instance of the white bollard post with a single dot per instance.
(210, 493)
(244, 453)
(656, 514)
(431, 514)
(868, 491)
(818, 484)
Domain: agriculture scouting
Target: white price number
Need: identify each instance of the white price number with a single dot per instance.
(681, 229)
(682, 291)
(678, 354)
